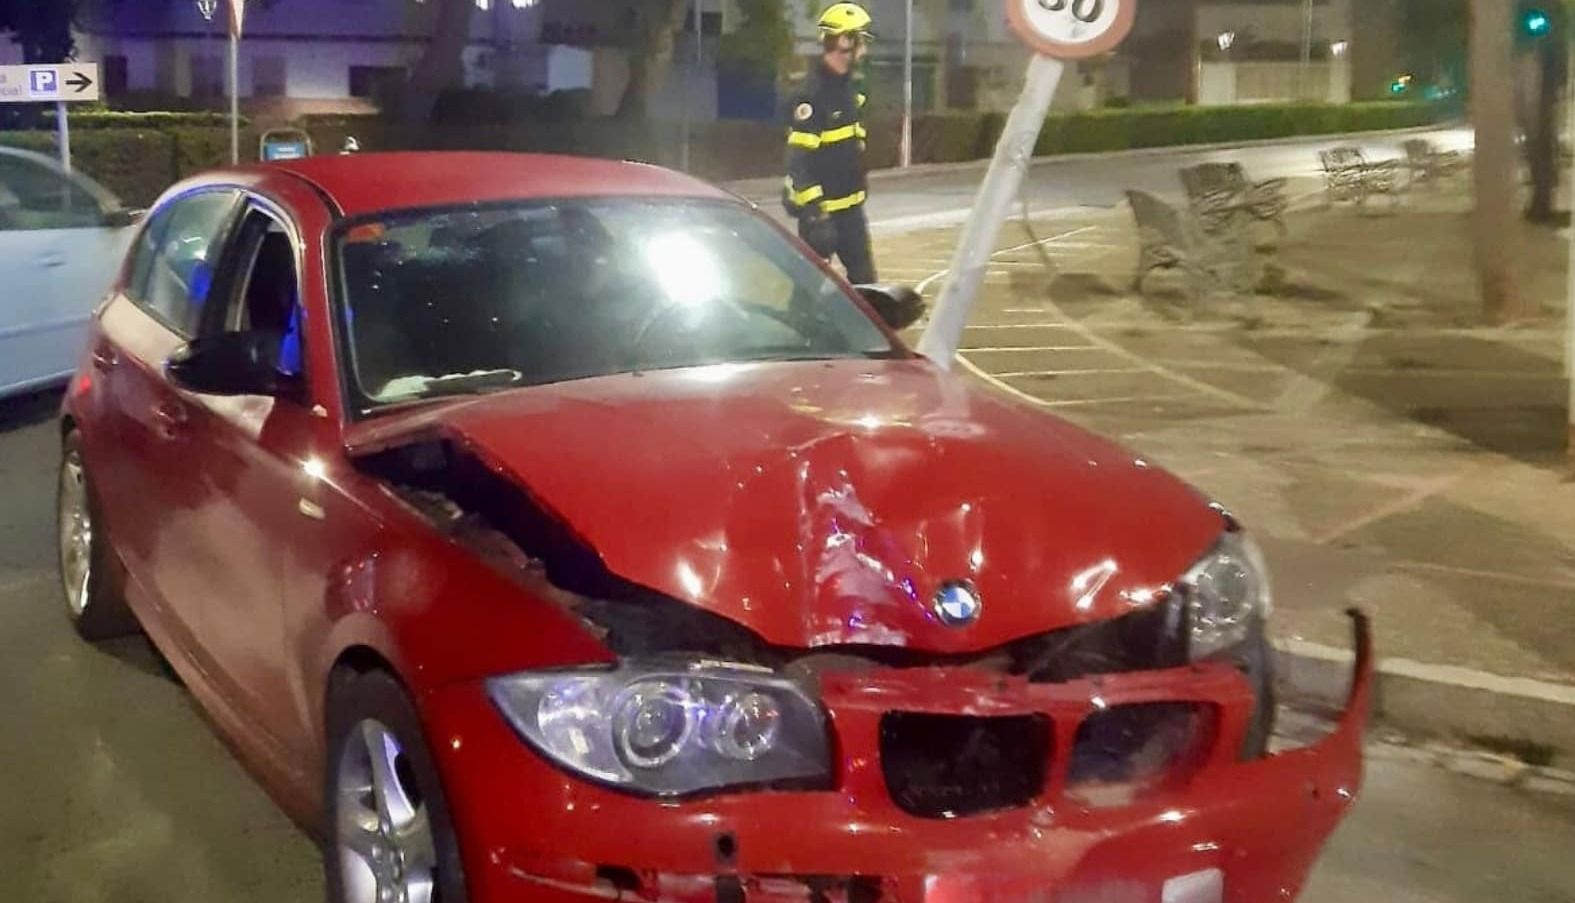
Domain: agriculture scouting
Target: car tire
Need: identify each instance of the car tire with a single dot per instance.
(380, 787)
(91, 580)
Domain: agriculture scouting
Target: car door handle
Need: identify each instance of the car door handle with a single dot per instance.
(105, 358)
(53, 260)
(171, 416)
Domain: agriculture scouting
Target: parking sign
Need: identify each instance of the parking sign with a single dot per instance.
(49, 83)
(43, 84)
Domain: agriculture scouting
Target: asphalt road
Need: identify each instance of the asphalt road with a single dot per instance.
(114, 790)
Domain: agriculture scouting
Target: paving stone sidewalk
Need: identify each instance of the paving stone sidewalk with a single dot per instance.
(1389, 450)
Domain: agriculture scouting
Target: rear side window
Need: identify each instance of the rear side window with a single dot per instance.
(177, 255)
(34, 197)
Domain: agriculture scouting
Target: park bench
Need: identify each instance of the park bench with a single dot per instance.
(1218, 190)
(1173, 238)
(1426, 163)
(1349, 176)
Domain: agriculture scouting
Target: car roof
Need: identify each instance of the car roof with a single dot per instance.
(360, 184)
(104, 196)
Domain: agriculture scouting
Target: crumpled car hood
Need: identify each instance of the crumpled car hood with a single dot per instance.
(825, 503)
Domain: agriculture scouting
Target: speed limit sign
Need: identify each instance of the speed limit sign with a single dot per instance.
(1071, 29)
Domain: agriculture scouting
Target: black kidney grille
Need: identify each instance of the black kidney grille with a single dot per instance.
(950, 766)
(1136, 743)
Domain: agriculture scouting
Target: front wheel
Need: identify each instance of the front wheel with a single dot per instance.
(90, 577)
(390, 838)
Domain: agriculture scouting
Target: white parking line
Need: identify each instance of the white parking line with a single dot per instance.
(1114, 371)
(1118, 399)
(1057, 325)
(1043, 241)
(1000, 348)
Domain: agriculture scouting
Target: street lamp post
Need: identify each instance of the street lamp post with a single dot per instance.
(208, 9)
(907, 91)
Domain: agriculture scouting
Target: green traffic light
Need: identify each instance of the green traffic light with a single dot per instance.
(1536, 23)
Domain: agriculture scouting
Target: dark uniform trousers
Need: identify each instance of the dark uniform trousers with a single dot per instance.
(826, 183)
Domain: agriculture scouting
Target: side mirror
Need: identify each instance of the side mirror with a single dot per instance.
(123, 217)
(233, 363)
(898, 305)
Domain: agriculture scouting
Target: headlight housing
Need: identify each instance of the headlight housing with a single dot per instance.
(670, 729)
(1226, 592)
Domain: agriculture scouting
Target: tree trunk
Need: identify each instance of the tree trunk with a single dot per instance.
(442, 66)
(651, 58)
(1495, 225)
(1542, 141)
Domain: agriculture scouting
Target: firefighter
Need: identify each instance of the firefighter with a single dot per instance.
(826, 183)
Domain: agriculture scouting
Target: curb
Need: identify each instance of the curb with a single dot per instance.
(742, 186)
(1439, 701)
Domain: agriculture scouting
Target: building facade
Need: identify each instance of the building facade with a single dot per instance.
(325, 55)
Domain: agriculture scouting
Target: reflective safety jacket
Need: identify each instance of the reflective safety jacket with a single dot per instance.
(825, 145)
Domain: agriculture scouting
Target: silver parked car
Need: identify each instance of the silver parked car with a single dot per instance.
(62, 236)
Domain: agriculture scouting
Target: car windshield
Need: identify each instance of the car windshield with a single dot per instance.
(455, 302)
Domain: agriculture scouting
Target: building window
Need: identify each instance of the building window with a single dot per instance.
(207, 77)
(710, 21)
(268, 76)
(116, 76)
(376, 82)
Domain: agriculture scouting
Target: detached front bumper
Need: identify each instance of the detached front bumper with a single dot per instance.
(1231, 831)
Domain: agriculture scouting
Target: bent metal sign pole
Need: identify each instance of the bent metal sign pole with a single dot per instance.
(1057, 31)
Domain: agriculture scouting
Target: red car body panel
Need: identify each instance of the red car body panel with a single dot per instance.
(814, 503)
(825, 503)
(366, 183)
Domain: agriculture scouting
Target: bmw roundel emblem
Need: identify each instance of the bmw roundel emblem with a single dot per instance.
(957, 603)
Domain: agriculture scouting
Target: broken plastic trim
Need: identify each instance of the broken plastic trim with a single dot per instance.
(475, 507)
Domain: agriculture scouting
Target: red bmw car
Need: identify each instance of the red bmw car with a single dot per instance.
(558, 530)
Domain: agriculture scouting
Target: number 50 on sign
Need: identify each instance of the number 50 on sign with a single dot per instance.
(1071, 29)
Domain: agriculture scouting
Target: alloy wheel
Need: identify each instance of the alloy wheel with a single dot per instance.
(76, 534)
(384, 835)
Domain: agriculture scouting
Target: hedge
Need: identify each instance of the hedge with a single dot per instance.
(137, 155)
(136, 164)
(1124, 129)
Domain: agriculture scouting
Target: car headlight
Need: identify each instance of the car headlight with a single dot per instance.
(669, 730)
(1227, 592)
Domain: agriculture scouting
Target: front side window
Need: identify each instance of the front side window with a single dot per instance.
(266, 292)
(176, 256)
(34, 196)
(459, 302)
